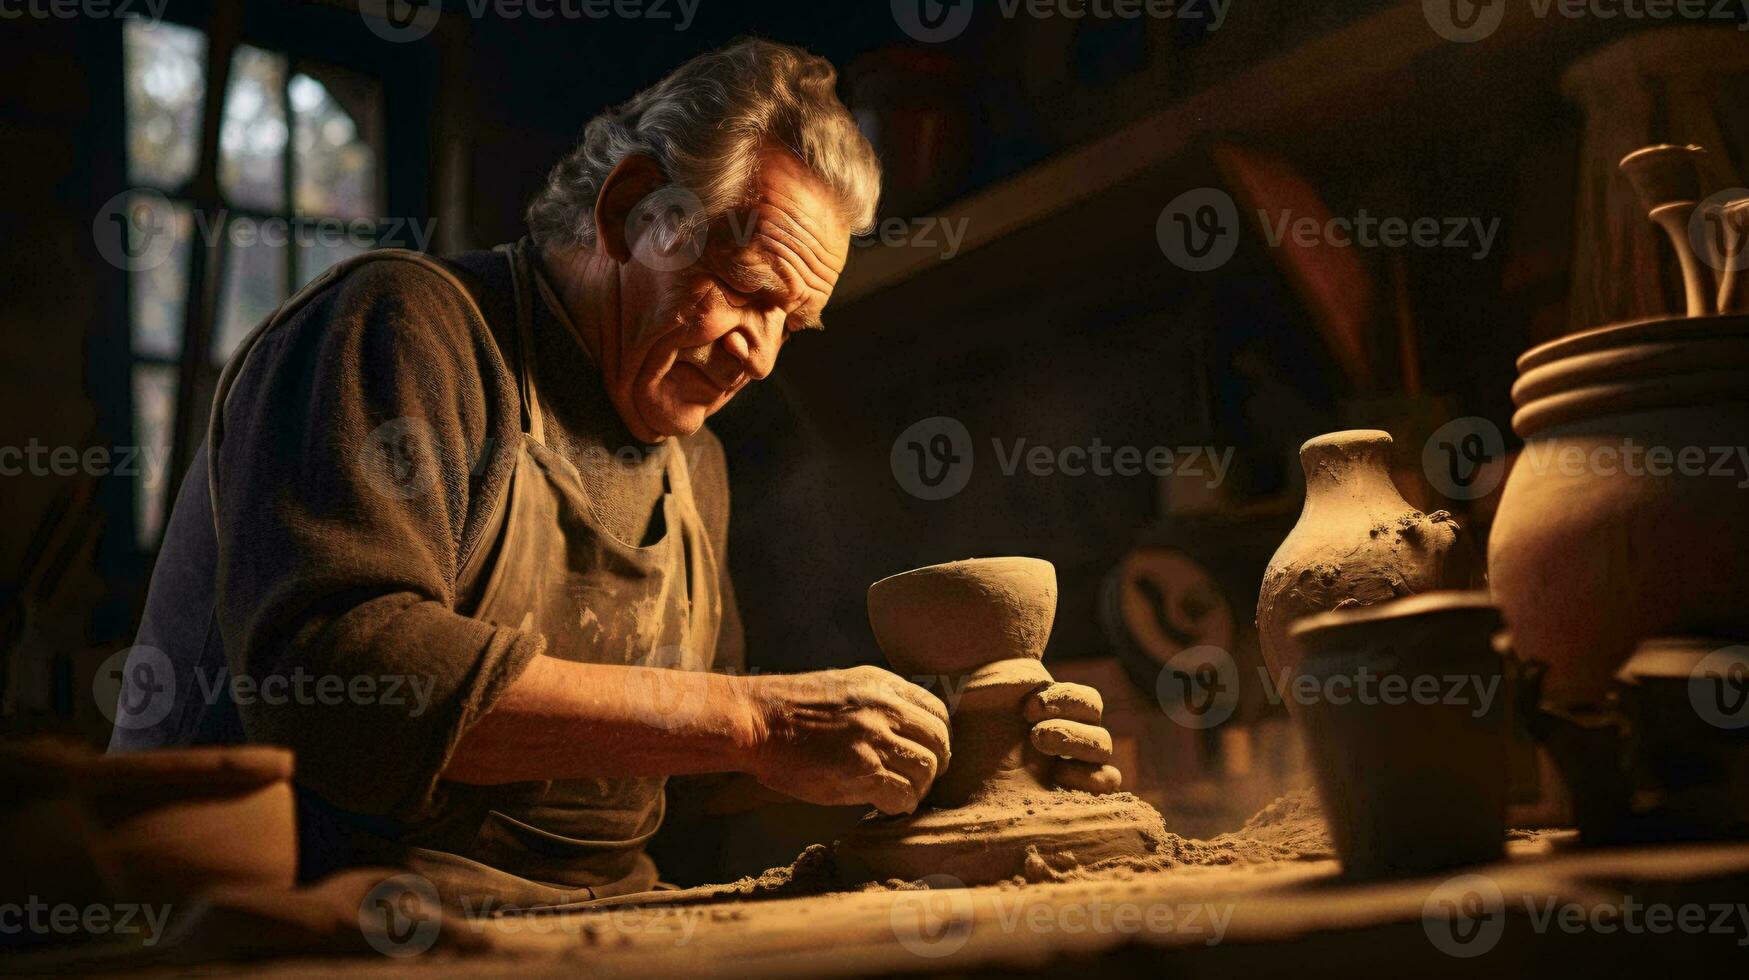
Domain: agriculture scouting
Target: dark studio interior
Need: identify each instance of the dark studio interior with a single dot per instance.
(1315, 432)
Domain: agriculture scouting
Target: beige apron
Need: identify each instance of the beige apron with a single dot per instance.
(554, 569)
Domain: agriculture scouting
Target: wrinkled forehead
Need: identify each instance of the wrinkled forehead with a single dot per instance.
(792, 227)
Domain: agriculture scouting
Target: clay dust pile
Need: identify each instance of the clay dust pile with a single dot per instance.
(1289, 829)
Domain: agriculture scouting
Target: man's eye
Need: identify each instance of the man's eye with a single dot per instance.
(730, 293)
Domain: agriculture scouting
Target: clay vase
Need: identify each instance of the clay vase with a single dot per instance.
(977, 630)
(1603, 536)
(1357, 542)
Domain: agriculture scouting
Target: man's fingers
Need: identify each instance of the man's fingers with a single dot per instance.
(1073, 740)
(915, 763)
(875, 686)
(1076, 702)
(925, 729)
(922, 698)
(892, 794)
(1086, 776)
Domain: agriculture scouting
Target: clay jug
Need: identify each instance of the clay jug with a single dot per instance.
(1357, 542)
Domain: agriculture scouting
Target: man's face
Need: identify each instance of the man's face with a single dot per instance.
(693, 336)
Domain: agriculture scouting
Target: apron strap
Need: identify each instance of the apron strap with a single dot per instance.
(677, 473)
(533, 422)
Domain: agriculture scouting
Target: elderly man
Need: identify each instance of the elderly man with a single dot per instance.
(458, 533)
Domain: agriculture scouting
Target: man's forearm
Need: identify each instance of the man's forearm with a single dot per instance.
(565, 720)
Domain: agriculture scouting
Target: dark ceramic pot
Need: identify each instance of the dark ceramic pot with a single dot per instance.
(1405, 707)
(1625, 515)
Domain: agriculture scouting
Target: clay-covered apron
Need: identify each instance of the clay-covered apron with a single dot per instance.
(554, 569)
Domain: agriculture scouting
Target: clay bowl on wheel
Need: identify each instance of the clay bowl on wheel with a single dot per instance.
(1625, 515)
(956, 617)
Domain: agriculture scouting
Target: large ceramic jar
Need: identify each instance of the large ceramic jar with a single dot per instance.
(1627, 514)
(1357, 542)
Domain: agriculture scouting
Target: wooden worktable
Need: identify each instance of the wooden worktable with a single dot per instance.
(1549, 907)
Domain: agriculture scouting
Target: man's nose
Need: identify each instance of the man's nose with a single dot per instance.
(755, 344)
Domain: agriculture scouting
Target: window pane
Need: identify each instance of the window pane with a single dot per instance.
(165, 66)
(335, 140)
(158, 290)
(254, 283)
(252, 136)
(324, 251)
(154, 414)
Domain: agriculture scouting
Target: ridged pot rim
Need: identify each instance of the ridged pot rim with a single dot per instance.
(1638, 366)
(1658, 329)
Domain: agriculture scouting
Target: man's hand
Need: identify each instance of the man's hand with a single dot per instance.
(842, 737)
(1065, 721)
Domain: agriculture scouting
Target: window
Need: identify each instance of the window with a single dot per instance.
(299, 186)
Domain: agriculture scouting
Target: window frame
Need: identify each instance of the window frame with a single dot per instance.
(194, 363)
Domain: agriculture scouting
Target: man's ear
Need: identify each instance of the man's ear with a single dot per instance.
(634, 178)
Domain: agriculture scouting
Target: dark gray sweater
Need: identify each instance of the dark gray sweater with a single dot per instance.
(320, 569)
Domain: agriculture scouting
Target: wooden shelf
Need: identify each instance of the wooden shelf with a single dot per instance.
(1327, 86)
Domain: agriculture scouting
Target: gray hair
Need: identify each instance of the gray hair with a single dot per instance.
(704, 125)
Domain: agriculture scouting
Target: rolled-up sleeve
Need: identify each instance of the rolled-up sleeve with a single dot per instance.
(364, 442)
